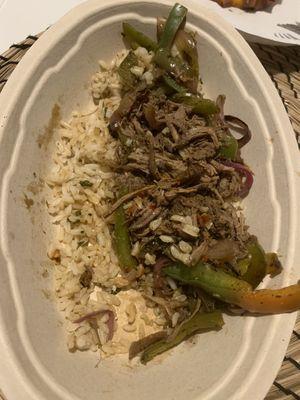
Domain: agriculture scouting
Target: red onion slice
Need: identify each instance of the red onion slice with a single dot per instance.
(239, 126)
(111, 325)
(244, 171)
(158, 280)
(94, 314)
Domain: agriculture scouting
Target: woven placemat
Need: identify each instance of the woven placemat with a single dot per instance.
(283, 66)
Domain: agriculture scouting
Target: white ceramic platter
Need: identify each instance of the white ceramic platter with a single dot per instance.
(280, 23)
(240, 361)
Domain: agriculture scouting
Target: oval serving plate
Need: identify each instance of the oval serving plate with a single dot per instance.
(240, 361)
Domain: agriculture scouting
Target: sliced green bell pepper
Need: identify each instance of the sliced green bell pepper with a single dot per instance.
(204, 107)
(229, 148)
(236, 291)
(173, 23)
(173, 85)
(122, 239)
(138, 39)
(129, 80)
(200, 322)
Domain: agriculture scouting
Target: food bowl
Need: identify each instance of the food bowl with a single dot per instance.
(238, 362)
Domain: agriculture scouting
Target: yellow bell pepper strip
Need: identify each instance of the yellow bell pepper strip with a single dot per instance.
(236, 291)
(199, 322)
(272, 301)
(137, 39)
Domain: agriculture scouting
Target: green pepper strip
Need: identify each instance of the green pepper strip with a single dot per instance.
(235, 291)
(257, 268)
(185, 44)
(229, 148)
(175, 19)
(162, 58)
(187, 47)
(204, 107)
(173, 65)
(122, 240)
(136, 38)
(172, 84)
(200, 321)
(160, 25)
(129, 80)
(214, 281)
